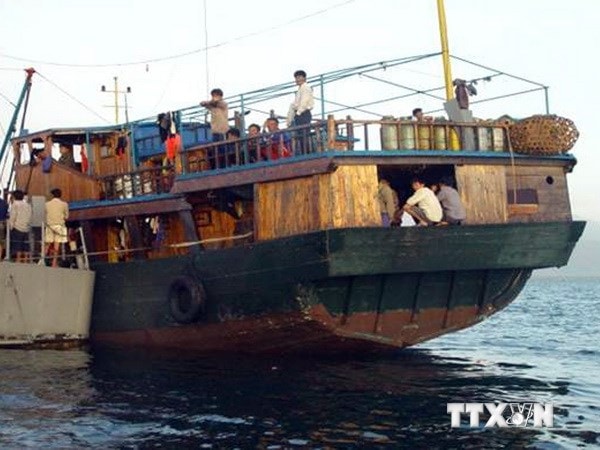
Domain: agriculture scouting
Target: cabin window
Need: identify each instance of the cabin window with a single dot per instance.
(105, 151)
(522, 197)
(522, 201)
(24, 153)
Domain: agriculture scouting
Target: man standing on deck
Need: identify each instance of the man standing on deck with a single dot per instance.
(57, 212)
(388, 204)
(19, 222)
(299, 114)
(304, 101)
(219, 121)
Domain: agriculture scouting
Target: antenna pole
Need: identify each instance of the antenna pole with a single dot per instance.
(116, 101)
(445, 51)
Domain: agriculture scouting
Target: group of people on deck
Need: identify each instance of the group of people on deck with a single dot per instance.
(272, 143)
(438, 204)
(17, 217)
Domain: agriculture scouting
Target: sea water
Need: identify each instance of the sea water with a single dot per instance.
(543, 348)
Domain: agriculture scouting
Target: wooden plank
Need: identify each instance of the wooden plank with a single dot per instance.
(523, 208)
(252, 174)
(483, 192)
(130, 209)
(344, 198)
(74, 184)
(221, 225)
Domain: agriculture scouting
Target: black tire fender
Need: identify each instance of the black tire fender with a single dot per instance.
(187, 299)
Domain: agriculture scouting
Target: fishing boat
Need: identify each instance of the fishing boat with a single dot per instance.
(226, 249)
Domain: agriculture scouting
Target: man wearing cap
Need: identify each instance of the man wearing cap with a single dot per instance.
(57, 212)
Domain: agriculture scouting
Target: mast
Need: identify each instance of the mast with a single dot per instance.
(13, 122)
(445, 51)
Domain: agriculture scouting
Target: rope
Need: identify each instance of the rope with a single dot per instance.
(206, 53)
(141, 249)
(7, 99)
(512, 165)
(73, 98)
(190, 52)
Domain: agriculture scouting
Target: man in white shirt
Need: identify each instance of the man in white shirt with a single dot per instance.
(423, 205)
(301, 107)
(57, 212)
(304, 100)
(19, 222)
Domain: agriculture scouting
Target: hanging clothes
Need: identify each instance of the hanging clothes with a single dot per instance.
(173, 144)
(85, 163)
(121, 147)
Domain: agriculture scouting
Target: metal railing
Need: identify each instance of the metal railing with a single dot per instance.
(77, 250)
(152, 180)
(318, 137)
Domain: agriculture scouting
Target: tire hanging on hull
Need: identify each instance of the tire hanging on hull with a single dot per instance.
(187, 299)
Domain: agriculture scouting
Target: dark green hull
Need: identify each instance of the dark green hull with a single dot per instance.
(343, 288)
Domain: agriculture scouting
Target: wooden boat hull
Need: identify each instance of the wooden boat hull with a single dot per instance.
(44, 306)
(334, 290)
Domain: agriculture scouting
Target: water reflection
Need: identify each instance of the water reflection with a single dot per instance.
(137, 400)
(115, 399)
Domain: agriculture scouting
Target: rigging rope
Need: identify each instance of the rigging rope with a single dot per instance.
(206, 52)
(73, 98)
(8, 100)
(190, 52)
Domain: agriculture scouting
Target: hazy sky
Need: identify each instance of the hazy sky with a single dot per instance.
(261, 42)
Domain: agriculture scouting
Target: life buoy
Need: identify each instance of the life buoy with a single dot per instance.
(187, 299)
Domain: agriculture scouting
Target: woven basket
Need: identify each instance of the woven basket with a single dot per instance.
(543, 135)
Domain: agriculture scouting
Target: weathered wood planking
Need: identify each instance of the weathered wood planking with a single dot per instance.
(213, 224)
(74, 185)
(109, 164)
(346, 197)
(483, 193)
(550, 184)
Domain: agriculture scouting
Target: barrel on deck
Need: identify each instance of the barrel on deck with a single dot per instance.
(439, 137)
(424, 133)
(389, 134)
(407, 136)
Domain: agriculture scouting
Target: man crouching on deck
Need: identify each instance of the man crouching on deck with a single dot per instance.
(423, 205)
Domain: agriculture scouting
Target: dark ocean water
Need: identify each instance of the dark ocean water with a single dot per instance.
(543, 348)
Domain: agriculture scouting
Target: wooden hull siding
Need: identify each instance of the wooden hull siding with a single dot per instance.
(73, 184)
(346, 197)
(483, 193)
(549, 187)
(386, 287)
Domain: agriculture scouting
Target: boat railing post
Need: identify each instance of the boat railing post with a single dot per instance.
(7, 257)
(86, 262)
(350, 132)
(331, 132)
(43, 247)
(322, 85)
(547, 99)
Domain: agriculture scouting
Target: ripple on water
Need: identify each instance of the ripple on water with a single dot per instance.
(538, 349)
